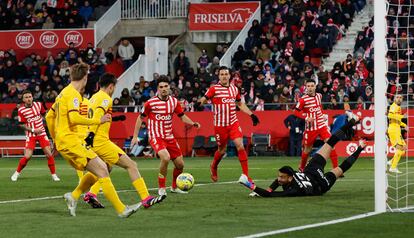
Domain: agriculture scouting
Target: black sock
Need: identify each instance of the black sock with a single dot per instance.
(348, 162)
(340, 134)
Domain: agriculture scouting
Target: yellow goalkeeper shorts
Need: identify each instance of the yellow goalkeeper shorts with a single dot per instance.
(108, 152)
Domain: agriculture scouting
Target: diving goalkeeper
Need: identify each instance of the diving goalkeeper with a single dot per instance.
(313, 181)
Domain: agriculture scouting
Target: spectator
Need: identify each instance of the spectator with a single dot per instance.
(117, 105)
(203, 61)
(181, 62)
(85, 12)
(300, 53)
(219, 51)
(147, 92)
(136, 91)
(126, 52)
(264, 53)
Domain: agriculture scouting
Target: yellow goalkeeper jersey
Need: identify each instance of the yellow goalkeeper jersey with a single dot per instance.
(101, 104)
(395, 116)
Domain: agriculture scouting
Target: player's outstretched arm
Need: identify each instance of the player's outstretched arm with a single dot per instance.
(348, 162)
(243, 107)
(50, 122)
(188, 121)
(77, 119)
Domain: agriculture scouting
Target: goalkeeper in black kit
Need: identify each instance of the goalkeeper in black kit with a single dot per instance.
(313, 181)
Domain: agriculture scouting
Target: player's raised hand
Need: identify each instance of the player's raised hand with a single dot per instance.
(105, 118)
(255, 119)
(197, 125)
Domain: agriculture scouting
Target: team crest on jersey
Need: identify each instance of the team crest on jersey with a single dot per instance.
(105, 103)
(76, 102)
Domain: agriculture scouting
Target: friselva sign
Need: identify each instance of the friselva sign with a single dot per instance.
(221, 16)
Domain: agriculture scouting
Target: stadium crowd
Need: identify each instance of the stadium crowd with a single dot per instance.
(400, 36)
(276, 59)
(49, 14)
(270, 68)
(47, 76)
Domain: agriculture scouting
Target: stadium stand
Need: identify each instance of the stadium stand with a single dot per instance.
(281, 52)
(38, 14)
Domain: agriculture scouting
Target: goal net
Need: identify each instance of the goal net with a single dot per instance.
(399, 41)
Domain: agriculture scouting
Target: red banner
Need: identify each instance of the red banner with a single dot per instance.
(220, 16)
(346, 148)
(271, 122)
(41, 41)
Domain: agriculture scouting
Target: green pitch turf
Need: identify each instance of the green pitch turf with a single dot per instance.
(222, 209)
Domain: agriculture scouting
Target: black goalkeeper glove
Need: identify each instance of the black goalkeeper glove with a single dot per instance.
(255, 119)
(119, 118)
(89, 139)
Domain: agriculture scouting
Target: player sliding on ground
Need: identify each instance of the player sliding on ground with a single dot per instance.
(31, 120)
(225, 97)
(62, 120)
(110, 153)
(394, 133)
(160, 110)
(313, 181)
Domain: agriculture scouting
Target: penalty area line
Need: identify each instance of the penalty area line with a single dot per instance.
(298, 228)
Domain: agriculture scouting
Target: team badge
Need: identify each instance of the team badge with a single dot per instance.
(105, 103)
(76, 102)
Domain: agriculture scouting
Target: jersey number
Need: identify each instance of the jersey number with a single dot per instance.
(304, 180)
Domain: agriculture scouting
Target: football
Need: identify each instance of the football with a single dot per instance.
(185, 181)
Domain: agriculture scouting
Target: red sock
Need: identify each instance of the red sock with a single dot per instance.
(161, 181)
(243, 161)
(217, 159)
(22, 163)
(334, 158)
(51, 164)
(303, 161)
(176, 172)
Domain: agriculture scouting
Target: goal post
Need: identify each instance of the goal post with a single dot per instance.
(380, 103)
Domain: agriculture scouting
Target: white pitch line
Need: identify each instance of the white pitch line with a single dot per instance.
(298, 228)
(120, 191)
(152, 189)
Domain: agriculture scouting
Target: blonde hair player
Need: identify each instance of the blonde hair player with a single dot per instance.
(62, 120)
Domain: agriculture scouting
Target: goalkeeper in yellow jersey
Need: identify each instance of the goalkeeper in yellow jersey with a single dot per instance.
(394, 132)
(62, 121)
(98, 140)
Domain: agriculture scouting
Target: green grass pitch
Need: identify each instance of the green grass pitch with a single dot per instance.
(222, 209)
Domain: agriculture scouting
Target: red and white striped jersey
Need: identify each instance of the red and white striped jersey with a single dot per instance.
(160, 115)
(311, 107)
(224, 103)
(32, 117)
